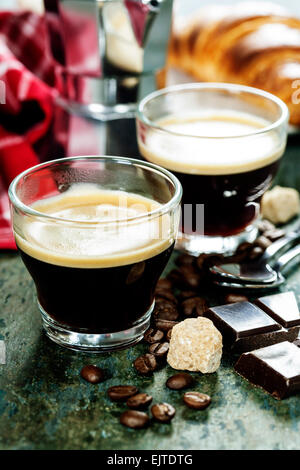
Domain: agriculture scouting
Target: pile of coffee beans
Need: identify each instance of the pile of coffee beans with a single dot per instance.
(251, 251)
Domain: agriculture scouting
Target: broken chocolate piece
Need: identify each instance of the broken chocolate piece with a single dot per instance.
(276, 369)
(282, 307)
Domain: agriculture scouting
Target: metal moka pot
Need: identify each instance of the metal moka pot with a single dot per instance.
(109, 52)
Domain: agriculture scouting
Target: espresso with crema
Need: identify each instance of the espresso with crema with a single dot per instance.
(219, 162)
(97, 259)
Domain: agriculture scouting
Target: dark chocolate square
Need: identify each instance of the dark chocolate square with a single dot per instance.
(281, 307)
(241, 319)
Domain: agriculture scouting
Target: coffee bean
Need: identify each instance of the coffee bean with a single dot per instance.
(163, 412)
(164, 284)
(233, 298)
(194, 306)
(163, 303)
(179, 381)
(139, 401)
(244, 247)
(186, 294)
(159, 349)
(185, 278)
(177, 278)
(264, 225)
(192, 277)
(121, 392)
(134, 419)
(165, 325)
(145, 364)
(185, 260)
(165, 312)
(196, 400)
(201, 261)
(166, 294)
(169, 315)
(201, 307)
(168, 335)
(255, 253)
(92, 374)
(153, 335)
(188, 306)
(237, 257)
(210, 260)
(274, 235)
(263, 242)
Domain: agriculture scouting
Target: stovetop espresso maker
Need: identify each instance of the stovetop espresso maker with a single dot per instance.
(109, 52)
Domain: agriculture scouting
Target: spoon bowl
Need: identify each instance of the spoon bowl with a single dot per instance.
(286, 260)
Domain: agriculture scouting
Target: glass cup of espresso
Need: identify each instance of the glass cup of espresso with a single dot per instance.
(224, 143)
(95, 233)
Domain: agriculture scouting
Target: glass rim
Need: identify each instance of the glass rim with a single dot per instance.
(232, 87)
(165, 208)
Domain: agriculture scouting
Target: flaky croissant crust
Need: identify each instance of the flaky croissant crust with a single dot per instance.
(255, 44)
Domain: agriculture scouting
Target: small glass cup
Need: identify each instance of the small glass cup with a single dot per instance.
(95, 233)
(224, 143)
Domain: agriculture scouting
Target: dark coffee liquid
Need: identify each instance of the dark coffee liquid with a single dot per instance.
(230, 200)
(92, 300)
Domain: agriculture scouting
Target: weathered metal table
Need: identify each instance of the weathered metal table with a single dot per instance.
(44, 404)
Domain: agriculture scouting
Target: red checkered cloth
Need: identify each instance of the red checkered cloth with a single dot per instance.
(28, 80)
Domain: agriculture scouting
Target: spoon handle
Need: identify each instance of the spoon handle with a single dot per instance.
(279, 245)
(286, 259)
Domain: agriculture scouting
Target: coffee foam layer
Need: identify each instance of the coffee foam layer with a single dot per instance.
(94, 239)
(211, 155)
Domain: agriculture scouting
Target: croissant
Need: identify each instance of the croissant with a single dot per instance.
(254, 44)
